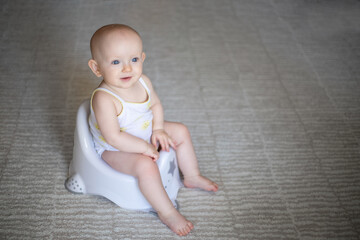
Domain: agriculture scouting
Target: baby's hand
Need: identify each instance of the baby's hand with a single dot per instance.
(151, 152)
(163, 138)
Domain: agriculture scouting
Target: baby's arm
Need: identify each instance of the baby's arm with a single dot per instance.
(106, 116)
(159, 134)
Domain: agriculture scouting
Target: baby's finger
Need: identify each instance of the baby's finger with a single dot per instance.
(153, 140)
(172, 143)
(166, 144)
(156, 143)
(162, 144)
(157, 155)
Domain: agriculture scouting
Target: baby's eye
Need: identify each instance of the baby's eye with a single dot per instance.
(135, 59)
(115, 62)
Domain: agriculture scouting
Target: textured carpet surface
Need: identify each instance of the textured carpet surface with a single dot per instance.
(270, 91)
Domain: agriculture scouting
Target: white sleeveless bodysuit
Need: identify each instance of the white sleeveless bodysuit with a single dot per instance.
(135, 119)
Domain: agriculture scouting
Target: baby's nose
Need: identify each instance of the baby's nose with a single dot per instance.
(127, 68)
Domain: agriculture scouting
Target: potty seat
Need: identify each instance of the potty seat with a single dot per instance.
(90, 174)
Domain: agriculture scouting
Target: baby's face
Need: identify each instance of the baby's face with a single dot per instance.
(121, 59)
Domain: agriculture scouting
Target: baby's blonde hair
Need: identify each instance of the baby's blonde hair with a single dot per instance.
(101, 32)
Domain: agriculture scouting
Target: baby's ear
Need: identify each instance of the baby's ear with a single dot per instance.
(143, 56)
(94, 67)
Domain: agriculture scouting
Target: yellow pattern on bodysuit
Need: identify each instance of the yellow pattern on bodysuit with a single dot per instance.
(145, 125)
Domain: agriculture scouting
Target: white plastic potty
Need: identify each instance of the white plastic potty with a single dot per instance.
(90, 174)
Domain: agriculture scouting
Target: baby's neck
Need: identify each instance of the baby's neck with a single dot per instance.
(136, 93)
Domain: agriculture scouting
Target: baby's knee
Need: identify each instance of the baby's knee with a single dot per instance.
(183, 131)
(146, 167)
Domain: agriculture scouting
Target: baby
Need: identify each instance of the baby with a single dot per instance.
(127, 122)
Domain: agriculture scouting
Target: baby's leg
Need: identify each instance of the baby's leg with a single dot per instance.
(148, 175)
(187, 158)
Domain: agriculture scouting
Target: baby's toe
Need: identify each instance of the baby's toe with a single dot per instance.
(184, 231)
(190, 225)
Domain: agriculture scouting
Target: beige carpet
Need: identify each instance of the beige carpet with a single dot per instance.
(270, 90)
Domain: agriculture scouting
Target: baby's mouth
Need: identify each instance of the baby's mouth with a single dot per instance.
(126, 78)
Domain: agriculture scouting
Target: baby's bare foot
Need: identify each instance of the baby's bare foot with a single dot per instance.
(176, 222)
(200, 182)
